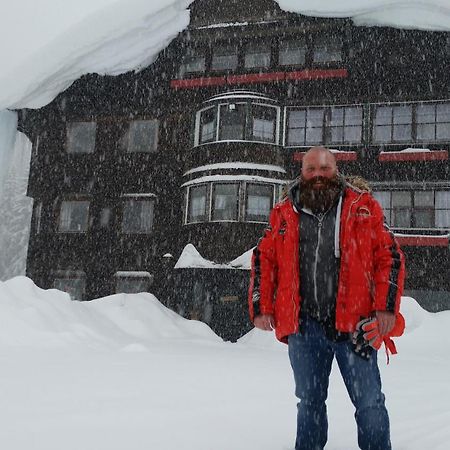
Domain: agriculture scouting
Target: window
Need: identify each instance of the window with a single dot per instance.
(292, 52)
(208, 125)
(257, 55)
(415, 209)
(345, 124)
(327, 49)
(259, 202)
(232, 121)
(432, 122)
(194, 61)
(237, 122)
(224, 58)
(393, 123)
(81, 137)
(133, 282)
(325, 125)
(197, 204)
(138, 215)
(74, 216)
(225, 201)
(264, 120)
(74, 283)
(142, 136)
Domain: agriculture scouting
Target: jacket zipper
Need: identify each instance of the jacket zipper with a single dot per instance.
(316, 260)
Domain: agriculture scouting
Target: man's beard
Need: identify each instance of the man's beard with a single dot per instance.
(320, 199)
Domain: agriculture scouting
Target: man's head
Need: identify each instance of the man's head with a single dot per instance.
(320, 182)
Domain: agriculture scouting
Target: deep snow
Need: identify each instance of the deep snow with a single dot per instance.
(124, 372)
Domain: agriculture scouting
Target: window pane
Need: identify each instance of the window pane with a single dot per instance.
(383, 133)
(193, 62)
(137, 216)
(143, 136)
(315, 117)
(208, 125)
(443, 112)
(353, 116)
(296, 136)
(297, 118)
(337, 117)
(132, 285)
(402, 114)
(259, 202)
(197, 204)
(257, 55)
(81, 137)
(402, 133)
(383, 115)
(264, 118)
(337, 135)
(425, 113)
(232, 121)
(225, 204)
(401, 218)
(401, 198)
(443, 131)
(424, 218)
(442, 209)
(314, 136)
(327, 49)
(292, 53)
(352, 134)
(425, 132)
(75, 287)
(384, 199)
(424, 198)
(224, 58)
(37, 213)
(74, 216)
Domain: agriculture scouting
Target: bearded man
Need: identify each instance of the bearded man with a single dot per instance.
(327, 276)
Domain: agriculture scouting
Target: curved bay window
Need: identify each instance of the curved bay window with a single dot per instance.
(238, 121)
(239, 201)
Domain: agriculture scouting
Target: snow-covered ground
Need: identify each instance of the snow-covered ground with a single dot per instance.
(124, 372)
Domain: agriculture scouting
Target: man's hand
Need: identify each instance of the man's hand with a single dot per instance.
(264, 322)
(386, 321)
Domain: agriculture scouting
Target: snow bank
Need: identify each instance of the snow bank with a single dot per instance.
(48, 318)
(413, 14)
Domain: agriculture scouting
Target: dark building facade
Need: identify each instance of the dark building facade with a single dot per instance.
(126, 171)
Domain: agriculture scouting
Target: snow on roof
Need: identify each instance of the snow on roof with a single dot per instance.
(236, 178)
(410, 150)
(133, 274)
(46, 48)
(190, 258)
(237, 165)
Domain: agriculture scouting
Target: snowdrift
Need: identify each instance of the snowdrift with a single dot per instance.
(36, 317)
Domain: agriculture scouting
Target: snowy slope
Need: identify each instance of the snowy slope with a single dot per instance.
(124, 372)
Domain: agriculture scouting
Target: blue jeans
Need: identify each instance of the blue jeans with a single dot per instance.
(311, 354)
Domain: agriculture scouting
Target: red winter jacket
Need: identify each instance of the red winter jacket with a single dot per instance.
(371, 271)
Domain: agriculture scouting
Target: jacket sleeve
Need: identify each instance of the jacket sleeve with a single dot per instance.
(389, 264)
(264, 271)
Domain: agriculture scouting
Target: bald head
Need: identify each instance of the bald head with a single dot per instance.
(318, 162)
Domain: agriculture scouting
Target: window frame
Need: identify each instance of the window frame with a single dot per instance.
(74, 275)
(128, 275)
(246, 196)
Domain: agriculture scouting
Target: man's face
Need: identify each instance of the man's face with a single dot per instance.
(316, 166)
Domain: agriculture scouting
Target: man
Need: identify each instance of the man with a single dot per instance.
(326, 262)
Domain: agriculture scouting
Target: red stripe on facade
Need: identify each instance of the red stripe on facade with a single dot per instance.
(198, 82)
(340, 156)
(315, 74)
(311, 74)
(423, 241)
(434, 155)
(256, 78)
